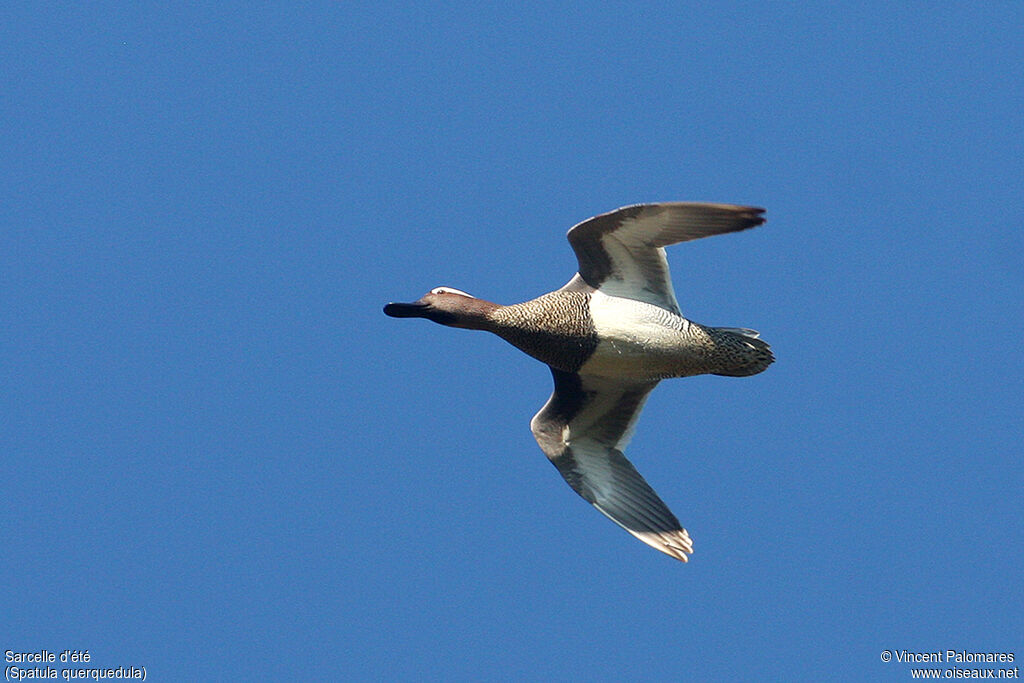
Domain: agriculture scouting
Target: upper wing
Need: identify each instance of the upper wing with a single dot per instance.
(621, 252)
(583, 429)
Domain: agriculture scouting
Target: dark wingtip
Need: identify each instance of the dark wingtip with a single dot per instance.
(754, 215)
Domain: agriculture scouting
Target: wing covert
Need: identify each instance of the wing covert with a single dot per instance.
(621, 252)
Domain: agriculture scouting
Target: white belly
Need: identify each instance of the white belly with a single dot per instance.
(643, 341)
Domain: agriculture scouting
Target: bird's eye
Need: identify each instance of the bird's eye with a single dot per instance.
(447, 290)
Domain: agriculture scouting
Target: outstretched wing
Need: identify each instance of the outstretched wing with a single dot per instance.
(583, 429)
(621, 252)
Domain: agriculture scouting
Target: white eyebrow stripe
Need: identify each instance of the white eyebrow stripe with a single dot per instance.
(447, 290)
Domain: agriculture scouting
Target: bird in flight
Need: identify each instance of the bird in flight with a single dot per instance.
(609, 336)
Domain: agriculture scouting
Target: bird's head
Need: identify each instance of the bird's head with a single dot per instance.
(446, 306)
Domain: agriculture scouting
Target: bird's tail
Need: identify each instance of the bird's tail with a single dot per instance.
(752, 354)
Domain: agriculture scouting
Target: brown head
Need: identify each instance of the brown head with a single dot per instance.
(446, 306)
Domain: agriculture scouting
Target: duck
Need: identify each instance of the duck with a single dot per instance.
(609, 336)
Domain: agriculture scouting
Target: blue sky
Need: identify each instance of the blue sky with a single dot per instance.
(223, 462)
